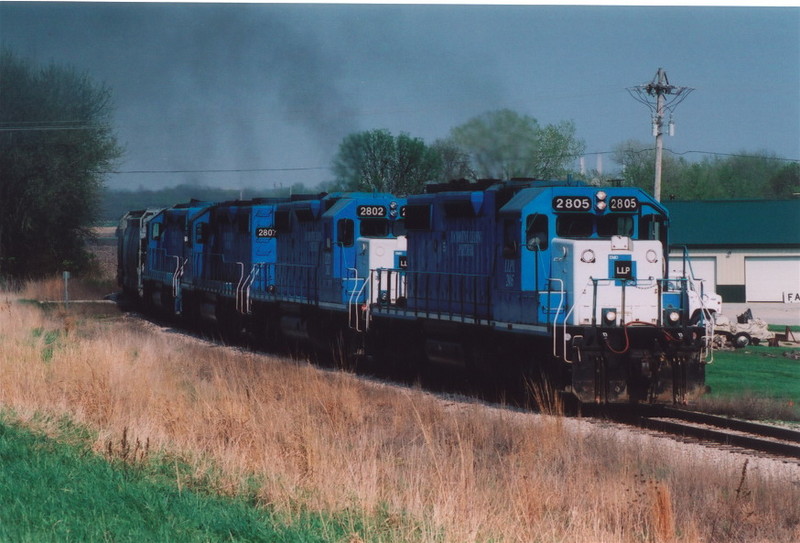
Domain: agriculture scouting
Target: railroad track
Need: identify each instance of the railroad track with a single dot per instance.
(753, 436)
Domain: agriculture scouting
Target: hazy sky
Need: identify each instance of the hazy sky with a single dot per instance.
(276, 87)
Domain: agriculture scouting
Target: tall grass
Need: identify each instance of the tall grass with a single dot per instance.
(414, 467)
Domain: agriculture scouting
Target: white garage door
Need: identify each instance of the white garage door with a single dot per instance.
(704, 268)
(770, 279)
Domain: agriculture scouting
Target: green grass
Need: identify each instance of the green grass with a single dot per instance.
(61, 491)
(758, 371)
(756, 383)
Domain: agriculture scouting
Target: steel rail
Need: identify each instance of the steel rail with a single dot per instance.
(755, 436)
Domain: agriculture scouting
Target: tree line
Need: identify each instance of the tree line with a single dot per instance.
(57, 144)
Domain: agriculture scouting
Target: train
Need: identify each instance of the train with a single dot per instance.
(548, 281)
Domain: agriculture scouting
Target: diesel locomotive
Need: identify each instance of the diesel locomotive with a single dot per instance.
(528, 279)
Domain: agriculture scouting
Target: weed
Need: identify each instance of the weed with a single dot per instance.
(352, 459)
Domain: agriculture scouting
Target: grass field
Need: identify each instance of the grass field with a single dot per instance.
(203, 442)
(60, 490)
(756, 371)
(757, 383)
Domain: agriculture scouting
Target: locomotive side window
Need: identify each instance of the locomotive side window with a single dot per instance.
(374, 228)
(574, 226)
(345, 229)
(155, 230)
(536, 236)
(615, 225)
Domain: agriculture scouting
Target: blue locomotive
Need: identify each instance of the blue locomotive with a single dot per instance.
(293, 268)
(553, 280)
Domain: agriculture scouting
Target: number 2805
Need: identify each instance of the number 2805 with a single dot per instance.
(572, 203)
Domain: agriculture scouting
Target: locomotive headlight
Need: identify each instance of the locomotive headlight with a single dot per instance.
(652, 257)
(393, 205)
(587, 256)
(609, 316)
(674, 316)
(600, 195)
(600, 206)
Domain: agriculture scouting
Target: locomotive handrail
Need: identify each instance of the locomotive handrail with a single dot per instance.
(355, 293)
(239, 283)
(306, 288)
(215, 268)
(455, 284)
(248, 285)
(176, 275)
(241, 289)
(558, 310)
(394, 285)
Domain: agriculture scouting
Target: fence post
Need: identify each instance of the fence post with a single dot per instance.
(66, 289)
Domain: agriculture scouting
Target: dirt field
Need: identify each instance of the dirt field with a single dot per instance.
(104, 248)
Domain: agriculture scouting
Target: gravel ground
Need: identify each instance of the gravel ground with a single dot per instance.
(693, 453)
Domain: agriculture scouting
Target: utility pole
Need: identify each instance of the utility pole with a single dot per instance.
(660, 89)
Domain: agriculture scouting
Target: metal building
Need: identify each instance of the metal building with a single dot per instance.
(748, 250)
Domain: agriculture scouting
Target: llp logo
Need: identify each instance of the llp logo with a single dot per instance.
(621, 268)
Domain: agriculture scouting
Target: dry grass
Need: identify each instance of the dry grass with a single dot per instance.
(417, 467)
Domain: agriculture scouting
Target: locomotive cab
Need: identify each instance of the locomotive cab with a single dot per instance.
(623, 330)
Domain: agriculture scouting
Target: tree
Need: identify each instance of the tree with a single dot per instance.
(505, 144)
(638, 163)
(745, 175)
(455, 162)
(378, 161)
(786, 181)
(56, 141)
(679, 178)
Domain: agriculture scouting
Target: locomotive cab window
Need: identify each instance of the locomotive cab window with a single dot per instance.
(615, 225)
(536, 236)
(652, 227)
(374, 228)
(575, 225)
(345, 230)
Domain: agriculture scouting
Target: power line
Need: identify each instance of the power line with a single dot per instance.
(47, 128)
(738, 155)
(313, 168)
(681, 153)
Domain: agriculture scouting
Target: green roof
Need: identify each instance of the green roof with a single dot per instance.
(735, 223)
